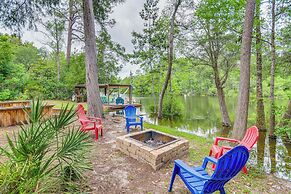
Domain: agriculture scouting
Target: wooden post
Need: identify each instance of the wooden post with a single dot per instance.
(130, 94)
(77, 94)
(107, 88)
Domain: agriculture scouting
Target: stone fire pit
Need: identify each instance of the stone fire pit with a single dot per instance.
(153, 147)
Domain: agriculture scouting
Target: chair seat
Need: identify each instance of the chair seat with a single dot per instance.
(134, 123)
(215, 149)
(195, 183)
(91, 127)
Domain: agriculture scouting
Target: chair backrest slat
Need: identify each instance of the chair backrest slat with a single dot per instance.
(81, 112)
(251, 137)
(228, 165)
(130, 111)
(119, 100)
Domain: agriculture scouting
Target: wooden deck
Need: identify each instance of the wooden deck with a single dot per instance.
(114, 107)
(15, 115)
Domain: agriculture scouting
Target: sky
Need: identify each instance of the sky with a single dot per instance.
(127, 20)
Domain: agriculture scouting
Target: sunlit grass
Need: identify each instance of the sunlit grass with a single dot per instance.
(62, 103)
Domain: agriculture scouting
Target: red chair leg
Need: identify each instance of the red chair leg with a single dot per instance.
(245, 170)
(96, 133)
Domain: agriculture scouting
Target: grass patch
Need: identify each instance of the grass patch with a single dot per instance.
(62, 103)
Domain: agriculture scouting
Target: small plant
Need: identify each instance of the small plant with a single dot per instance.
(172, 108)
(39, 156)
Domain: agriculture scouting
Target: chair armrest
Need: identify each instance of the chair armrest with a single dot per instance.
(87, 121)
(141, 118)
(226, 147)
(208, 159)
(189, 170)
(217, 139)
(94, 118)
(99, 120)
(223, 149)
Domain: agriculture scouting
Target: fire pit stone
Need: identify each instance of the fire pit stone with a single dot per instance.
(140, 146)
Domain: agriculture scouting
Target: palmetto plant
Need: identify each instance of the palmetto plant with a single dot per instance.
(42, 151)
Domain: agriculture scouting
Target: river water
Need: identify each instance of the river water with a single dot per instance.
(201, 116)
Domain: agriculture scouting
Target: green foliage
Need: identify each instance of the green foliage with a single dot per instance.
(12, 76)
(27, 72)
(42, 152)
(171, 107)
(283, 128)
(16, 14)
(110, 56)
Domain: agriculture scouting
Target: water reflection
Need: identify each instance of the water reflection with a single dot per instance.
(201, 117)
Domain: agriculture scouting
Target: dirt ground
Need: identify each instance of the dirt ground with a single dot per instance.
(114, 172)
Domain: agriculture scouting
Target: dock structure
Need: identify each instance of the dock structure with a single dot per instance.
(107, 89)
(115, 107)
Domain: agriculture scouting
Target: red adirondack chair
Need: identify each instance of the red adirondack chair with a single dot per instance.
(249, 140)
(89, 123)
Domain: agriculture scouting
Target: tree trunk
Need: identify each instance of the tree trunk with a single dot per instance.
(272, 82)
(92, 85)
(57, 35)
(260, 120)
(70, 33)
(170, 58)
(261, 148)
(240, 123)
(220, 94)
(58, 62)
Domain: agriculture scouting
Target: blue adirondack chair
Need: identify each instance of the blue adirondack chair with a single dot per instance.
(131, 118)
(119, 100)
(104, 100)
(197, 179)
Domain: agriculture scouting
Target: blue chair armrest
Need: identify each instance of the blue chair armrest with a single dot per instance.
(130, 117)
(208, 159)
(141, 118)
(190, 170)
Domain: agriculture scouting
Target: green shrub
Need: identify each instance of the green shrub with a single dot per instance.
(283, 127)
(42, 152)
(172, 108)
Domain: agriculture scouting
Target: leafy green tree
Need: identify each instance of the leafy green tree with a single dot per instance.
(213, 42)
(110, 56)
(12, 76)
(54, 33)
(26, 54)
(170, 56)
(16, 14)
(150, 45)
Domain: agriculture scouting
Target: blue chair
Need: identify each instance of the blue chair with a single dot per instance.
(119, 100)
(197, 179)
(104, 100)
(131, 118)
